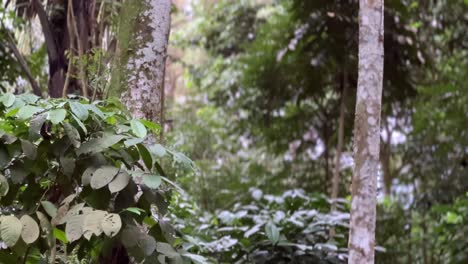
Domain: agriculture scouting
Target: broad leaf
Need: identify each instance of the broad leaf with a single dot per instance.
(29, 149)
(79, 110)
(74, 227)
(152, 181)
(30, 231)
(111, 225)
(96, 145)
(103, 176)
(10, 229)
(56, 116)
(50, 208)
(72, 134)
(272, 232)
(120, 182)
(28, 111)
(138, 128)
(92, 223)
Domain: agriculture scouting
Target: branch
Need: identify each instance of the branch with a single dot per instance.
(22, 62)
(48, 36)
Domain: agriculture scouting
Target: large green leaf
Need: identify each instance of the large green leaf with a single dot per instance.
(10, 229)
(87, 175)
(56, 116)
(147, 244)
(8, 99)
(96, 145)
(79, 110)
(35, 126)
(146, 156)
(167, 250)
(46, 228)
(120, 182)
(152, 181)
(72, 134)
(30, 231)
(111, 224)
(29, 149)
(50, 208)
(272, 232)
(138, 128)
(74, 227)
(158, 150)
(92, 223)
(103, 176)
(28, 111)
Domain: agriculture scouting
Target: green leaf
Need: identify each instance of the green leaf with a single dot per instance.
(4, 186)
(80, 124)
(29, 149)
(96, 145)
(8, 99)
(50, 208)
(152, 181)
(130, 235)
(138, 128)
(46, 228)
(72, 134)
(103, 176)
(272, 232)
(167, 250)
(35, 126)
(111, 225)
(133, 141)
(18, 173)
(74, 227)
(453, 218)
(158, 150)
(197, 259)
(30, 231)
(28, 111)
(87, 175)
(120, 182)
(155, 128)
(145, 156)
(79, 110)
(135, 210)
(60, 235)
(10, 228)
(92, 223)
(56, 116)
(95, 109)
(147, 244)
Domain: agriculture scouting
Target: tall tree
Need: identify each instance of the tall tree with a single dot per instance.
(367, 132)
(144, 64)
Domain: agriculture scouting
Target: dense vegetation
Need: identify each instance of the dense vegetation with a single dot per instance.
(239, 167)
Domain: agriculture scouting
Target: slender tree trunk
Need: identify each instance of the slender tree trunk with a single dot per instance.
(145, 67)
(339, 147)
(367, 132)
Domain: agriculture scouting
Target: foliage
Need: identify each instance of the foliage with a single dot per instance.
(288, 228)
(70, 172)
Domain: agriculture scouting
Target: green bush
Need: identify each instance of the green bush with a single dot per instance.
(290, 228)
(78, 179)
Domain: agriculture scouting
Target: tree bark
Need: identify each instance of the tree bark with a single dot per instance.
(145, 67)
(367, 132)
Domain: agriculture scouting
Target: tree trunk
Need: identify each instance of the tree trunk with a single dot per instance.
(367, 132)
(145, 65)
(339, 147)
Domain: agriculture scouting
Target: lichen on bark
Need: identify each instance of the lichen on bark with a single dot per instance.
(143, 40)
(367, 133)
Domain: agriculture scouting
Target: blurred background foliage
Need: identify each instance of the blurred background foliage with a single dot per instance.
(258, 109)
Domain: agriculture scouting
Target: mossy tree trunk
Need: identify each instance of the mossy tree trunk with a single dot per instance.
(367, 132)
(143, 40)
